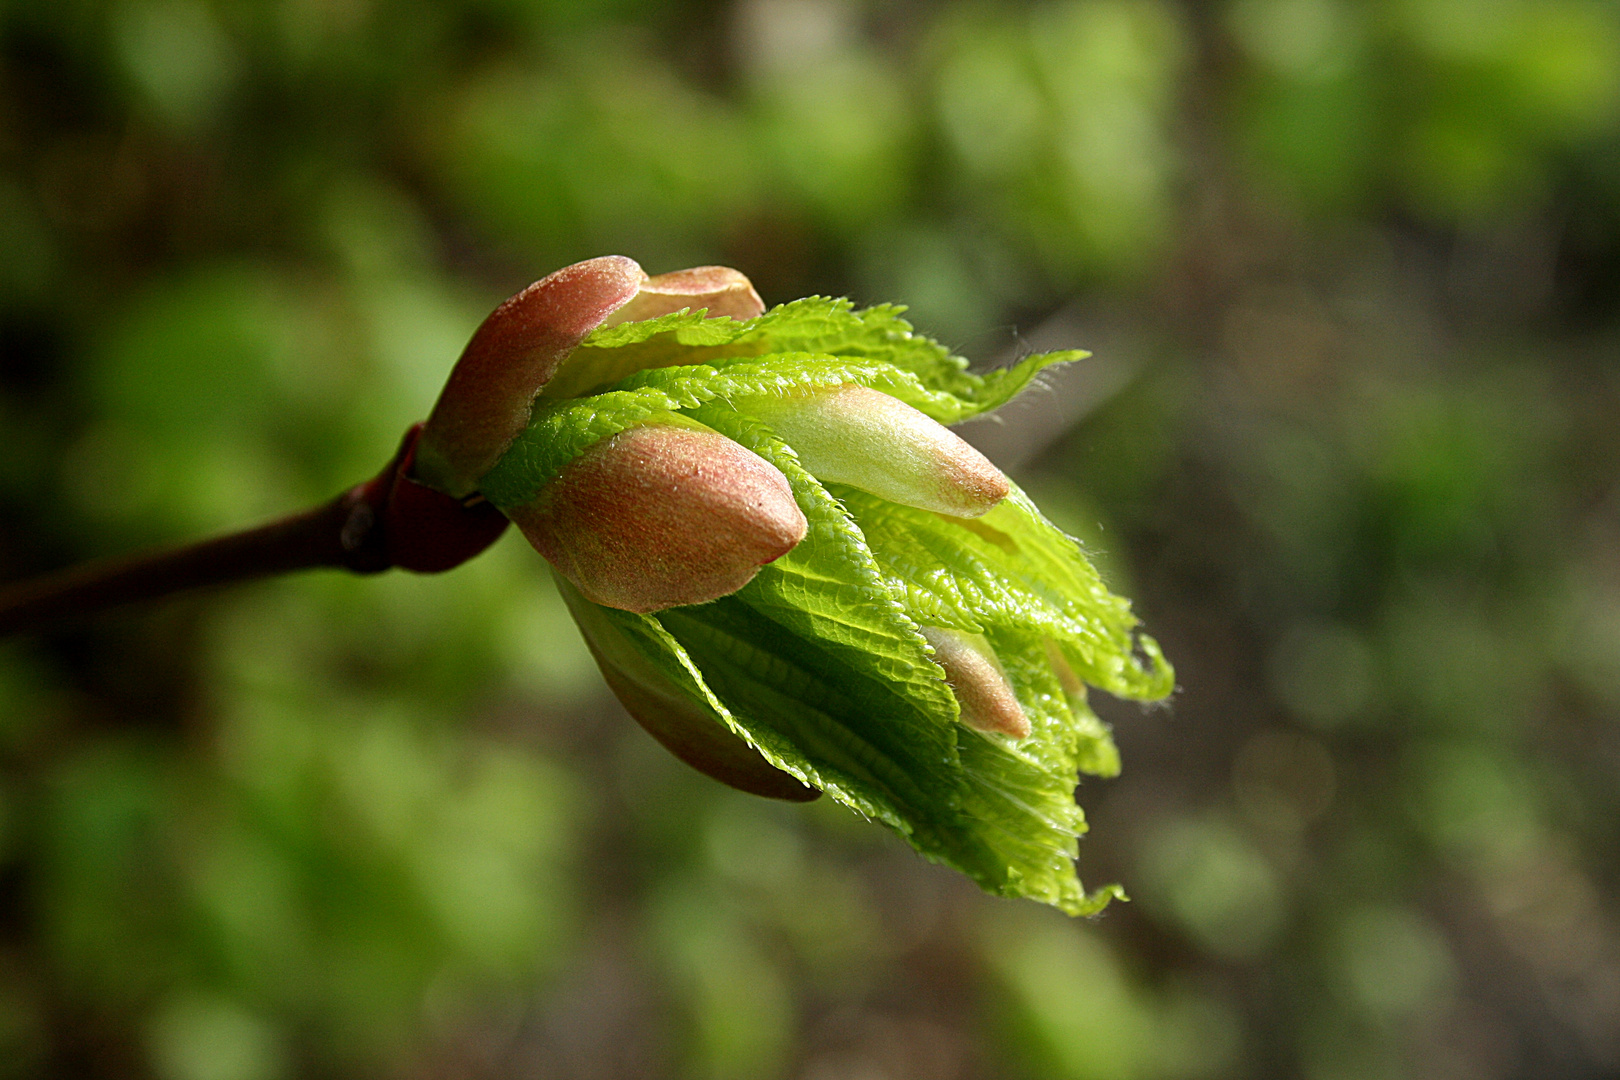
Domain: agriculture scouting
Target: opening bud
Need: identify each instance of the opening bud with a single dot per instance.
(487, 400)
(517, 350)
(867, 439)
(659, 516)
(975, 677)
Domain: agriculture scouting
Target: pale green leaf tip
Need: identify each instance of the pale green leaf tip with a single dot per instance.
(1093, 902)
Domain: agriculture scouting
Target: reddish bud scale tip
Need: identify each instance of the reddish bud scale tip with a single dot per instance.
(986, 698)
(488, 397)
(660, 516)
(719, 289)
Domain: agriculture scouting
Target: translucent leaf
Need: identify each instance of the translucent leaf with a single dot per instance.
(1012, 569)
(815, 326)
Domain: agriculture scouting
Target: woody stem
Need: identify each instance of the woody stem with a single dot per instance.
(337, 534)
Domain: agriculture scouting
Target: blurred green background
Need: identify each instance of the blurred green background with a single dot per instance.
(1351, 440)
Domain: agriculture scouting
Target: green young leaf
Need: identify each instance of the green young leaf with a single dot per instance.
(812, 327)
(1013, 568)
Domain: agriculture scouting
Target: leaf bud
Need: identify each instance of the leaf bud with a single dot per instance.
(487, 400)
(490, 394)
(869, 440)
(975, 677)
(658, 516)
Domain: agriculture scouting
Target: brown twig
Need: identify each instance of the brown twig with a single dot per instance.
(389, 521)
(313, 538)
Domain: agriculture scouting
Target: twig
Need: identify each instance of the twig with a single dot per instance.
(388, 521)
(299, 542)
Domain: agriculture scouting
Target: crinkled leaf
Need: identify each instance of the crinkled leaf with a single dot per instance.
(1004, 816)
(559, 430)
(1012, 569)
(961, 574)
(610, 630)
(785, 374)
(830, 589)
(815, 325)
